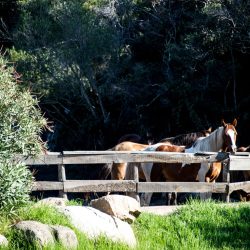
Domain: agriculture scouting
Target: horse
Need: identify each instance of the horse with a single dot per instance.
(118, 170)
(131, 142)
(187, 139)
(221, 139)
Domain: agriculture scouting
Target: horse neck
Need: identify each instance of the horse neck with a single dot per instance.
(212, 143)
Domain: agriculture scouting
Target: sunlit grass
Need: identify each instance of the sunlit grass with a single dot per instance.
(198, 225)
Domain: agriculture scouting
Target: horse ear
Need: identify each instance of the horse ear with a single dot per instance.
(235, 122)
(223, 123)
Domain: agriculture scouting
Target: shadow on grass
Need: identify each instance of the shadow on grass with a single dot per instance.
(233, 233)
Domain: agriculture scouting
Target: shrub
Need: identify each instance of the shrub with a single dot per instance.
(20, 126)
(15, 184)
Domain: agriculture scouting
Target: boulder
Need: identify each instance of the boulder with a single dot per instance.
(94, 223)
(53, 201)
(3, 241)
(121, 206)
(36, 231)
(65, 236)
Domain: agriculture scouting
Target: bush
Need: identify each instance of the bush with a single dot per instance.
(20, 119)
(15, 185)
(20, 126)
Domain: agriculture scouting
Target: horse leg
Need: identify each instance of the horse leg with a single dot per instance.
(172, 198)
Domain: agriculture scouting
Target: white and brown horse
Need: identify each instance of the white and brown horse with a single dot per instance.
(221, 139)
(118, 170)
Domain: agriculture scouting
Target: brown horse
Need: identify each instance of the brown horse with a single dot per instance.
(222, 139)
(118, 170)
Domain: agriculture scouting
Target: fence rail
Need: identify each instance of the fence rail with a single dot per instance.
(236, 162)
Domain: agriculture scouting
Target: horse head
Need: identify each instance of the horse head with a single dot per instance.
(230, 135)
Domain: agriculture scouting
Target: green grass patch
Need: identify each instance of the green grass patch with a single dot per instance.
(198, 225)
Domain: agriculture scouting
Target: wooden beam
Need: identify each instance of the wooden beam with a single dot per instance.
(62, 178)
(47, 185)
(138, 156)
(99, 186)
(181, 187)
(47, 159)
(245, 185)
(239, 163)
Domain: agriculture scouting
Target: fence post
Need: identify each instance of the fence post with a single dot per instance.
(133, 175)
(226, 178)
(62, 178)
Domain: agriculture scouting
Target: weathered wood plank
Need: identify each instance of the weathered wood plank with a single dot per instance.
(97, 157)
(134, 172)
(226, 178)
(239, 163)
(181, 187)
(47, 185)
(62, 178)
(99, 186)
(138, 156)
(245, 185)
(48, 159)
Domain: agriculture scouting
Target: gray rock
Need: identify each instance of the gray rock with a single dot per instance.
(65, 236)
(36, 231)
(53, 201)
(94, 223)
(3, 241)
(120, 206)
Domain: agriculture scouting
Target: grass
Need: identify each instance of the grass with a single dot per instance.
(199, 225)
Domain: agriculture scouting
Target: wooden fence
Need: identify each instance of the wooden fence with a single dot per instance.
(231, 162)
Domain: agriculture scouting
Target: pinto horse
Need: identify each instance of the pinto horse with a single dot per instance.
(131, 142)
(221, 139)
(187, 139)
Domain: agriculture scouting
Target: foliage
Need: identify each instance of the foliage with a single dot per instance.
(106, 68)
(64, 51)
(15, 185)
(21, 122)
(20, 126)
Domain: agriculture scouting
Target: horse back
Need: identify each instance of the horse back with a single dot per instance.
(184, 139)
(171, 148)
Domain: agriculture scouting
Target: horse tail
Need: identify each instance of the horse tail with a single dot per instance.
(105, 173)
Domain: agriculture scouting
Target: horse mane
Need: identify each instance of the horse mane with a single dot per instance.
(184, 139)
(212, 143)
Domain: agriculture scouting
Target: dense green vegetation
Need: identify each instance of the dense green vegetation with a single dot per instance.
(21, 124)
(102, 69)
(199, 225)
